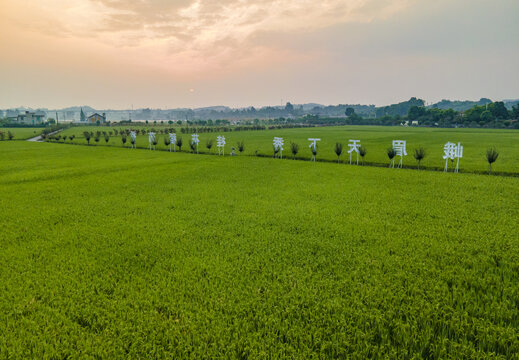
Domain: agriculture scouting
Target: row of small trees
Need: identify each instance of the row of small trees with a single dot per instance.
(9, 135)
(419, 153)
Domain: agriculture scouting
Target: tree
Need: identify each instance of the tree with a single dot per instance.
(82, 116)
(419, 154)
(492, 155)
(276, 150)
(415, 112)
(107, 139)
(486, 116)
(71, 137)
(294, 148)
(10, 135)
(338, 150)
(349, 111)
(96, 138)
(179, 143)
(241, 146)
(289, 108)
(209, 144)
(167, 142)
(499, 110)
(362, 152)
(391, 153)
(313, 149)
(123, 138)
(515, 112)
(87, 136)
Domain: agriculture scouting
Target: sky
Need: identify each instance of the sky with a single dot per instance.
(114, 54)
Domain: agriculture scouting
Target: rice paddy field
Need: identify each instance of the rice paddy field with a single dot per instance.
(22, 133)
(113, 253)
(376, 139)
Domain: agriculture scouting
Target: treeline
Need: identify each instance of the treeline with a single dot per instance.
(492, 115)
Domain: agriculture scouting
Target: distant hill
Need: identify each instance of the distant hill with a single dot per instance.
(511, 103)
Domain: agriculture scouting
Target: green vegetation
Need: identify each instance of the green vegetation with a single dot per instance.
(19, 133)
(294, 149)
(338, 150)
(376, 138)
(115, 254)
(492, 155)
(419, 155)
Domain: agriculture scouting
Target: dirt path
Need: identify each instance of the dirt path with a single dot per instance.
(40, 139)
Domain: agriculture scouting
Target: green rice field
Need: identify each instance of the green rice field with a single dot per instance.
(376, 139)
(113, 253)
(22, 133)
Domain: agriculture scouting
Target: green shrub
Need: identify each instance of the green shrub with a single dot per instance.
(294, 148)
(492, 155)
(419, 155)
(338, 150)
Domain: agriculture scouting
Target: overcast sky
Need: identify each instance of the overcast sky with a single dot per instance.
(193, 53)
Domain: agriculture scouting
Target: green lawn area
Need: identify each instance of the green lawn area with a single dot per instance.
(113, 253)
(22, 133)
(376, 139)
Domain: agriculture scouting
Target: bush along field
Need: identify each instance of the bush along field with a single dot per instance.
(111, 253)
(374, 143)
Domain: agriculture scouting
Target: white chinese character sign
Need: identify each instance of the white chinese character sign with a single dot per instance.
(220, 144)
(195, 140)
(354, 147)
(151, 140)
(399, 147)
(452, 151)
(313, 147)
(278, 146)
(133, 138)
(172, 141)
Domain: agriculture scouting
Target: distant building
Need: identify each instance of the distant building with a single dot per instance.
(94, 118)
(33, 118)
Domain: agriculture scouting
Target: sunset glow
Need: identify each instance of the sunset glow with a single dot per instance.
(111, 53)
